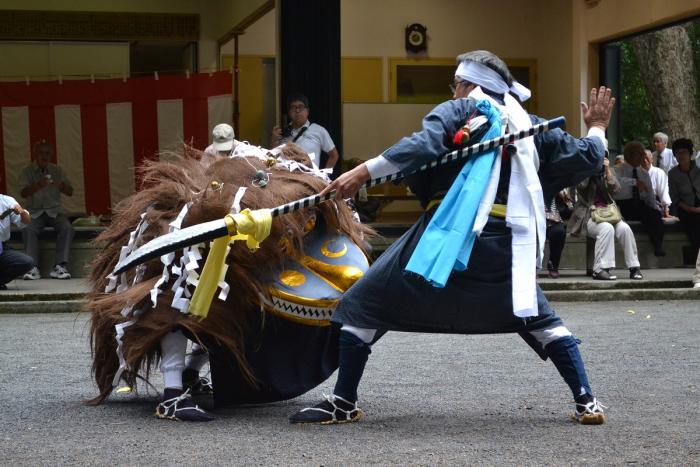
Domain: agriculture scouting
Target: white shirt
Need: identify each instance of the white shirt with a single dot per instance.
(659, 182)
(7, 202)
(666, 161)
(627, 181)
(314, 140)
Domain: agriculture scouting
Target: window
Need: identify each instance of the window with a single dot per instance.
(427, 81)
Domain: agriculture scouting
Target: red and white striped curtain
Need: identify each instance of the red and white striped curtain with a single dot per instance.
(102, 130)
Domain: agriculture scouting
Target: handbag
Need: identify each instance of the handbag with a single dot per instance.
(610, 214)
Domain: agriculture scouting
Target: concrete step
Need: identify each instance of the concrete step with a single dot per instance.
(41, 296)
(596, 285)
(55, 296)
(623, 295)
(41, 306)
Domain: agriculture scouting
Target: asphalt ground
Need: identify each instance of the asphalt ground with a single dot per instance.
(429, 400)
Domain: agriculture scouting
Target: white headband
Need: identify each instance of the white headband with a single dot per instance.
(485, 77)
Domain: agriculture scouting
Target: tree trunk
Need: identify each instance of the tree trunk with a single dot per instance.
(666, 68)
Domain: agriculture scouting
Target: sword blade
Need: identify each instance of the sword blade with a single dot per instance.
(171, 242)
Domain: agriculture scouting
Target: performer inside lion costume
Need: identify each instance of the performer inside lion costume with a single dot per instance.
(267, 334)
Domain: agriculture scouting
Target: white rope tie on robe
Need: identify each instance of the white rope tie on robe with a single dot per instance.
(523, 216)
(525, 211)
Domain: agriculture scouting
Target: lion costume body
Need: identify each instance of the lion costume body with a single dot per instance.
(270, 337)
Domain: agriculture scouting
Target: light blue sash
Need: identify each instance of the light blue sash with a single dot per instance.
(448, 241)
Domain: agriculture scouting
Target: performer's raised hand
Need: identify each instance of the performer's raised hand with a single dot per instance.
(599, 108)
(348, 183)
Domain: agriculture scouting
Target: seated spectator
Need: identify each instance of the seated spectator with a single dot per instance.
(663, 157)
(593, 193)
(42, 184)
(659, 184)
(12, 263)
(224, 144)
(221, 146)
(556, 212)
(636, 198)
(619, 160)
(684, 187)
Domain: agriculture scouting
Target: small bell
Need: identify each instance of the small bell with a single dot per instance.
(260, 178)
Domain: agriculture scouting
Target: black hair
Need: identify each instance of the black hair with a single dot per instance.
(683, 143)
(632, 148)
(296, 96)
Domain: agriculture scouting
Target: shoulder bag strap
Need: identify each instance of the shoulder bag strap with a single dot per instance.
(301, 132)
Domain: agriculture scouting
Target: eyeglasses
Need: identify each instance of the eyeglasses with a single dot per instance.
(297, 108)
(455, 85)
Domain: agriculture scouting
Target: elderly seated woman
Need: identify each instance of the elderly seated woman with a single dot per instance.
(589, 218)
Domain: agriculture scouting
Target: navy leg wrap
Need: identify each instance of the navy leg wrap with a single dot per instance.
(566, 357)
(352, 359)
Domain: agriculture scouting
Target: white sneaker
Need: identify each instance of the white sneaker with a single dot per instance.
(59, 272)
(696, 285)
(32, 275)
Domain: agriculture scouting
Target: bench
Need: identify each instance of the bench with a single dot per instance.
(82, 249)
(577, 254)
(578, 251)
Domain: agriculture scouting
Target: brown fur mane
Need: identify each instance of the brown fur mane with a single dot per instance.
(166, 188)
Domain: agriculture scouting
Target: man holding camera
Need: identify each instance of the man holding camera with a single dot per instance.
(42, 184)
(312, 137)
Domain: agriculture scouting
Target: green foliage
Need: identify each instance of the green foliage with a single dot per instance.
(635, 113)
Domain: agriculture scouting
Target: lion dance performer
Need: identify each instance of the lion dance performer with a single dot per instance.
(267, 334)
(469, 263)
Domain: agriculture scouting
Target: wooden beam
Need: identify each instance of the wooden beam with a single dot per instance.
(246, 22)
(97, 26)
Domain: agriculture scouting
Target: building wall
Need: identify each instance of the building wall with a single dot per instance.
(512, 29)
(613, 19)
(260, 38)
(43, 60)
(216, 16)
(376, 30)
(561, 35)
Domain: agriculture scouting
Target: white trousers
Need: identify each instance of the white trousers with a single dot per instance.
(605, 235)
(696, 276)
(173, 349)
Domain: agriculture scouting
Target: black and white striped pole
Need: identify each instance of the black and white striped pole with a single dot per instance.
(456, 155)
(219, 228)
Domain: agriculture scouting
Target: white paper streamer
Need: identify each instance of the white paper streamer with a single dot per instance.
(122, 362)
